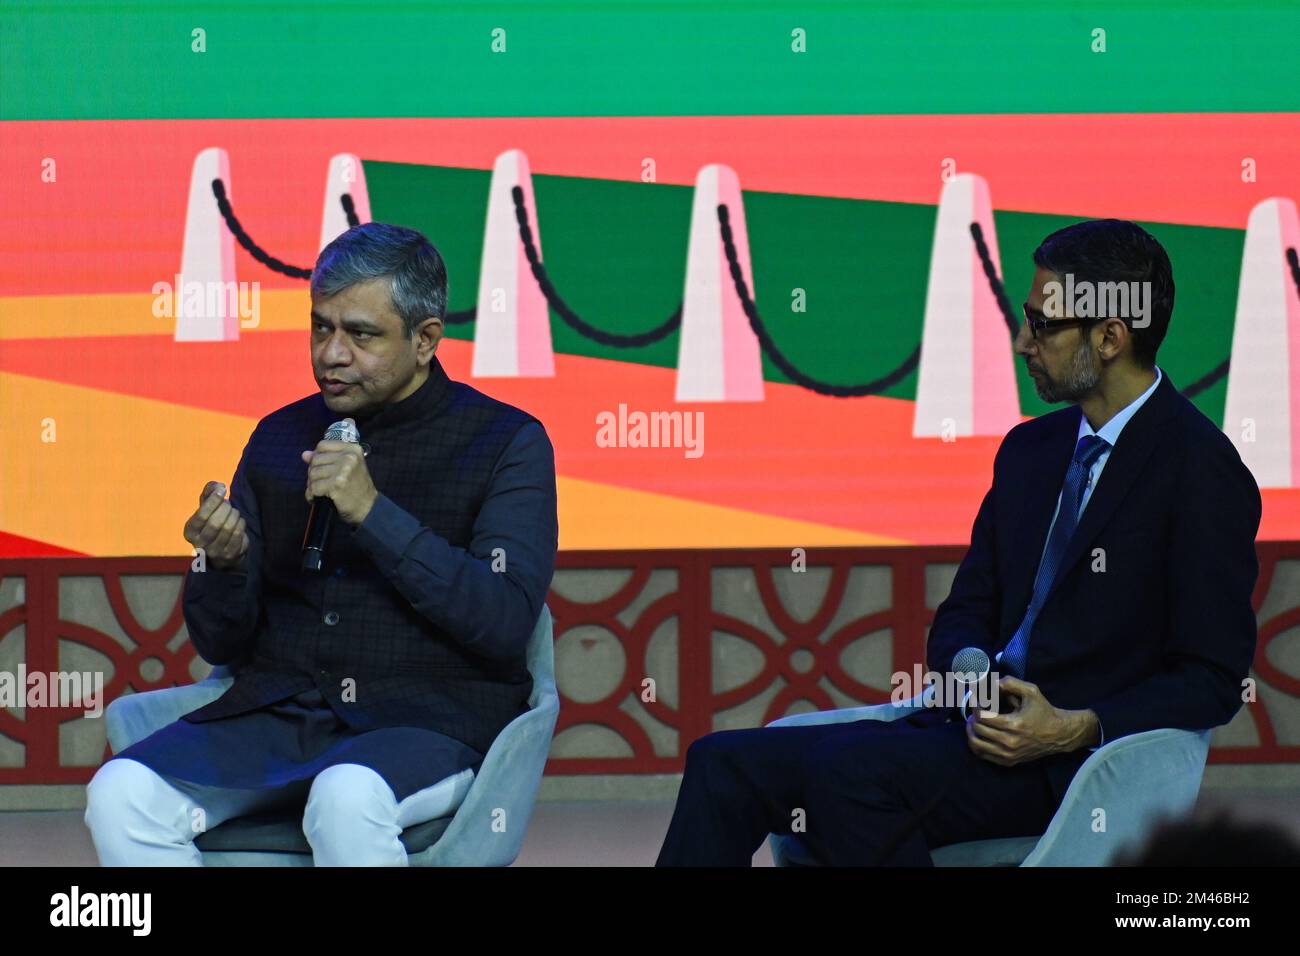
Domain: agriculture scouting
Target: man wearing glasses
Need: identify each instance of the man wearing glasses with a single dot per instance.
(1111, 607)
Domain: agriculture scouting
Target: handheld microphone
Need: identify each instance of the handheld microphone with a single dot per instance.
(970, 671)
(321, 519)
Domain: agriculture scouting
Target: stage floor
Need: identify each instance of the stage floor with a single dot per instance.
(562, 833)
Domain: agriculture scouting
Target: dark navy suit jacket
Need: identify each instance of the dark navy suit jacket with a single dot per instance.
(1165, 634)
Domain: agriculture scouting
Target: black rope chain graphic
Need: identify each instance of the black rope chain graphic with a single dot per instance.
(674, 321)
(254, 250)
(775, 354)
(664, 329)
(296, 272)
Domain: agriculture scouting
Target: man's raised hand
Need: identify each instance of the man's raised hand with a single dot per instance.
(218, 529)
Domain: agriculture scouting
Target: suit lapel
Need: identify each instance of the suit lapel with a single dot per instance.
(1044, 464)
(1136, 443)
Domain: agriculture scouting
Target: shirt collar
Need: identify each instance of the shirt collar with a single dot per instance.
(421, 403)
(1110, 431)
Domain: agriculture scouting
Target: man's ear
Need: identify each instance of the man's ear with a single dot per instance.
(1113, 335)
(429, 335)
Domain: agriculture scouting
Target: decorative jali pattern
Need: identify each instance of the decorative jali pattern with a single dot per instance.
(682, 644)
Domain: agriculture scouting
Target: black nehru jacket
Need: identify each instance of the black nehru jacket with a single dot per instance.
(422, 613)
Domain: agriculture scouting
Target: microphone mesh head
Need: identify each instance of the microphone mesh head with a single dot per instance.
(343, 431)
(971, 660)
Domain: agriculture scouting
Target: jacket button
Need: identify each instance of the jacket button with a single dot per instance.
(332, 618)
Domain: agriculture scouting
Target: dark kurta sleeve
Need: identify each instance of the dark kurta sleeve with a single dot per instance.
(486, 597)
(221, 608)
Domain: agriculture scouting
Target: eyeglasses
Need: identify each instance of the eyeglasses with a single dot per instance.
(1038, 325)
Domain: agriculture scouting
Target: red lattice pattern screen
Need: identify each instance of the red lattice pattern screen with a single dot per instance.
(690, 603)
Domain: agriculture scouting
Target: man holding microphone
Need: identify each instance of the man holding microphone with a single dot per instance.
(1109, 574)
(372, 675)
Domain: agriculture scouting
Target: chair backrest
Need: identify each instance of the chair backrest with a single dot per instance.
(1138, 780)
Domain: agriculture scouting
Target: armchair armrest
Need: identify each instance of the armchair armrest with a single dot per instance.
(889, 711)
(1133, 781)
(135, 716)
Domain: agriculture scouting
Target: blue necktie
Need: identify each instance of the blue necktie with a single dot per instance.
(1085, 455)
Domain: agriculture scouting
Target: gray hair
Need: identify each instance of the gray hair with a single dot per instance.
(376, 249)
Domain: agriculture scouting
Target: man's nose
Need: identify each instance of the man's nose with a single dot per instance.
(1024, 341)
(336, 351)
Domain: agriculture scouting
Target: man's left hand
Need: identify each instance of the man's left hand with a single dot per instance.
(337, 470)
(1034, 729)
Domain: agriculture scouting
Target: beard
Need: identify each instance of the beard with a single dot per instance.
(1080, 378)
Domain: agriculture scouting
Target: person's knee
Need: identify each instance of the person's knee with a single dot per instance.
(717, 747)
(115, 787)
(729, 765)
(124, 794)
(344, 800)
(348, 790)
